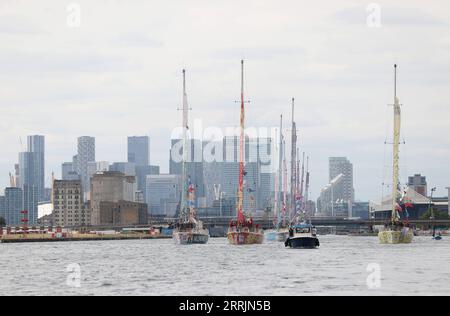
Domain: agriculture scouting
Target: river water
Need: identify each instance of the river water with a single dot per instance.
(159, 267)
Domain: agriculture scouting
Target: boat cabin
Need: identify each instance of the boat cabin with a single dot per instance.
(302, 229)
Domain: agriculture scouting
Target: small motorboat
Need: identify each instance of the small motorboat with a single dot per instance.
(302, 236)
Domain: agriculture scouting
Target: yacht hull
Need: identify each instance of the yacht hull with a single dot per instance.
(190, 238)
(282, 235)
(404, 236)
(302, 242)
(245, 237)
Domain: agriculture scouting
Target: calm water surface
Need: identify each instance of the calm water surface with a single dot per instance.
(159, 267)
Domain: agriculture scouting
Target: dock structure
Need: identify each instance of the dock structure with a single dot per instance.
(34, 238)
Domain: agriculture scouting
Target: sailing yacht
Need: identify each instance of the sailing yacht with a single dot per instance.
(396, 232)
(188, 230)
(243, 231)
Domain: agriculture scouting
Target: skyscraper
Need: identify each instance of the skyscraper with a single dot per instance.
(344, 190)
(138, 150)
(2, 207)
(194, 164)
(86, 154)
(68, 172)
(141, 177)
(127, 168)
(13, 206)
(36, 145)
(163, 194)
(29, 173)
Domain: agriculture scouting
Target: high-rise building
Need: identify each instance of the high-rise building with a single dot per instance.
(13, 206)
(338, 196)
(448, 200)
(344, 190)
(36, 145)
(419, 184)
(258, 173)
(213, 175)
(163, 194)
(86, 154)
(30, 183)
(194, 164)
(141, 177)
(138, 150)
(128, 168)
(230, 180)
(110, 186)
(68, 172)
(68, 204)
(2, 207)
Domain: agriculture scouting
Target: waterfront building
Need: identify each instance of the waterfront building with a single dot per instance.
(2, 207)
(418, 183)
(448, 200)
(123, 213)
(13, 206)
(110, 186)
(68, 204)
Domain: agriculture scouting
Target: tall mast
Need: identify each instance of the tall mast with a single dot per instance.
(297, 176)
(396, 144)
(184, 214)
(285, 185)
(305, 202)
(297, 187)
(241, 217)
(276, 197)
(303, 179)
(280, 172)
(293, 163)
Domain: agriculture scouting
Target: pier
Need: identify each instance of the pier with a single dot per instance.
(29, 238)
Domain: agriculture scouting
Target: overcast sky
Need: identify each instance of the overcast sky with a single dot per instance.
(119, 74)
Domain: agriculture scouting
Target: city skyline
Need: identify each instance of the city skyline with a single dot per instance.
(341, 97)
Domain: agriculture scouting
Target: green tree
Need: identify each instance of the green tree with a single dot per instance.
(2, 221)
(437, 215)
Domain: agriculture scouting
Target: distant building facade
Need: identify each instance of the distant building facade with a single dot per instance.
(163, 194)
(419, 184)
(68, 204)
(13, 206)
(2, 207)
(85, 155)
(123, 213)
(110, 186)
(127, 168)
(36, 145)
(29, 182)
(141, 178)
(139, 150)
(194, 164)
(341, 165)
